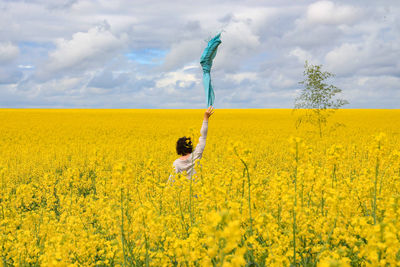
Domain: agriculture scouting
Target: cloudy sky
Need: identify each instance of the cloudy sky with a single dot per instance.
(145, 53)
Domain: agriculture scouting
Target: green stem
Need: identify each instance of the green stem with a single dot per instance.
(249, 198)
(320, 126)
(122, 226)
(295, 204)
(146, 243)
(182, 216)
(375, 186)
(334, 174)
(294, 237)
(249, 194)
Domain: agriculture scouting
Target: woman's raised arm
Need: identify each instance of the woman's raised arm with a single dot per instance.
(198, 152)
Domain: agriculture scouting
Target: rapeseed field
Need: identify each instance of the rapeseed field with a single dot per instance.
(90, 188)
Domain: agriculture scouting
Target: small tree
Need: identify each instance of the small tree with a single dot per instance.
(317, 97)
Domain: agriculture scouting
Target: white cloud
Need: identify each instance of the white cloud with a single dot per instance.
(360, 90)
(85, 49)
(281, 81)
(239, 77)
(183, 52)
(77, 63)
(10, 76)
(179, 78)
(8, 52)
(346, 58)
(25, 66)
(372, 57)
(65, 85)
(302, 55)
(239, 41)
(327, 12)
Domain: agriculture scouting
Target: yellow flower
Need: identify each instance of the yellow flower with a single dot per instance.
(77, 188)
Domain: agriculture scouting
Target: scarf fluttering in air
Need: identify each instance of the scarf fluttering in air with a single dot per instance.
(206, 62)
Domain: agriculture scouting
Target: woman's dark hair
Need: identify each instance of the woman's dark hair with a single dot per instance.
(184, 146)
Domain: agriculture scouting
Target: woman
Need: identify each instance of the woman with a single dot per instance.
(184, 147)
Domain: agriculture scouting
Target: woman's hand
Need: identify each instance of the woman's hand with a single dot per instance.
(208, 113)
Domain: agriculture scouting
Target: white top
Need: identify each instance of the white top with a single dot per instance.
(187, 165)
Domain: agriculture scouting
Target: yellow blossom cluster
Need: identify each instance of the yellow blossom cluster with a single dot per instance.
(94, 188)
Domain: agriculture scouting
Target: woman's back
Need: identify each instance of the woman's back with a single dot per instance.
(188, 160)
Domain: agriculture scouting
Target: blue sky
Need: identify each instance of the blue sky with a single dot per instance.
(145, 54)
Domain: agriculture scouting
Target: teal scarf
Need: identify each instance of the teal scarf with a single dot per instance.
(206, 62)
